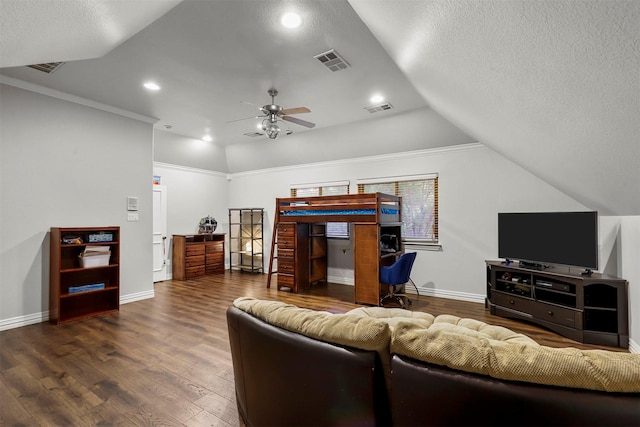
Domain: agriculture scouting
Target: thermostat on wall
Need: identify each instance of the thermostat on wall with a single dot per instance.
(132, 203)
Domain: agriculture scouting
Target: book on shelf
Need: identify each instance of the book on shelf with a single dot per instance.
(86, 288)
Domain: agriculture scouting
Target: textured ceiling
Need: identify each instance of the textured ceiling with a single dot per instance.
(42, 31)
(552, 85)
(213, 58)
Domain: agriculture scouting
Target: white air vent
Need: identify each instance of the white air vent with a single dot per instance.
(46, 68)
(254, 134)
(378, 108)
(332, 60)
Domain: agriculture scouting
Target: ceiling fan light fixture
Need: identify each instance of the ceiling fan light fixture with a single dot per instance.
(271, 128)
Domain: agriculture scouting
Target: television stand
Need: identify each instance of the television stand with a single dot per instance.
(591, 309)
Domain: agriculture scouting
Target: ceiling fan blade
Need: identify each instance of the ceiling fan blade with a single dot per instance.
(246, 118)
(299, 121)
(255, 105)
(297, 110)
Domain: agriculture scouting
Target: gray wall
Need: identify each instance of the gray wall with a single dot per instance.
(67, 165)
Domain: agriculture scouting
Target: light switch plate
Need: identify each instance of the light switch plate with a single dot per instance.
(132, 203)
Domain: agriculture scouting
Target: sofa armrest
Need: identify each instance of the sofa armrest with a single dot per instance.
(285, 378)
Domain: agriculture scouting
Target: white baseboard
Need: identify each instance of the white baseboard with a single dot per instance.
(340, 280)
(439, 293)
(138, 296)
(30, 319)
(460, 296)
(634, 347)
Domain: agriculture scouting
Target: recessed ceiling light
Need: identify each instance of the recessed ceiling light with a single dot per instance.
(377, 98)
(151, 86)
(207, 138)
(291, 20)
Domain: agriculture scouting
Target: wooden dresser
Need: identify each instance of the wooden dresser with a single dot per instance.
(302, 255)
(195, 255)
(293, 255)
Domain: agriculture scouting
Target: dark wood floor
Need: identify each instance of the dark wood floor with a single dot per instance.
(163, 361)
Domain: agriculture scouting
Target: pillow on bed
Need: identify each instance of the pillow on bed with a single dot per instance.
(517, 360)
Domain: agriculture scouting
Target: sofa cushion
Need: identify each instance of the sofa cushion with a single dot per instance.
(479, 329)
(343, 329)
(394, 315)
(512, 358)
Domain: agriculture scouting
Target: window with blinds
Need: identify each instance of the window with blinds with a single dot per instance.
(419, 204)
(334, 229)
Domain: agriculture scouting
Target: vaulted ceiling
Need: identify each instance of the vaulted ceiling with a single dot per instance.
(552, 85)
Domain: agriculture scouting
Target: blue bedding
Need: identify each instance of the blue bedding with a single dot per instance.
(340, 212)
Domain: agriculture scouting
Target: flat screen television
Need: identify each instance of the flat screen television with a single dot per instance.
(556, 238)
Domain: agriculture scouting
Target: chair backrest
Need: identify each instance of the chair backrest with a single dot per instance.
(399, 272)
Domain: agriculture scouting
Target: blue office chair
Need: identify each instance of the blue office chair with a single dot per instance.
(397, 274)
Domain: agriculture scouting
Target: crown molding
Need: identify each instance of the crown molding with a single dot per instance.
(32, 87)
(367, 159)
(190, 169)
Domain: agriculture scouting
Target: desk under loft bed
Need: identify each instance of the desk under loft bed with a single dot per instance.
(299, 242)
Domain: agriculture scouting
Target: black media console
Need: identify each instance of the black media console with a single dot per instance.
(591, 309)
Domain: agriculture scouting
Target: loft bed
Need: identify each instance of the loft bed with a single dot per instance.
(378, 208)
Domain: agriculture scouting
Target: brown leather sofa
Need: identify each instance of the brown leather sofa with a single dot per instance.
(287, 379)
(284, 378)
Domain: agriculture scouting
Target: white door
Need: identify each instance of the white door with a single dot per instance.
(160, 248)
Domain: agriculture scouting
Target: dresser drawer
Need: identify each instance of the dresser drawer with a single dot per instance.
(216, 262)
(286, 229)
(553, 313)
(191, 272)
(285, 280)
(194, 249)
(213, 247)
(285, 267)
(214, 268)
(194, 261)
(512, 302)
(286, 236)
(286, 255)
(286, 242)
(215, 257)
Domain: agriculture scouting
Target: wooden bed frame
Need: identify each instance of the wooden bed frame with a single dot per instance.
(373, 215)
(376, 208)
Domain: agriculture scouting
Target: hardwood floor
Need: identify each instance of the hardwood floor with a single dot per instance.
(163, 361)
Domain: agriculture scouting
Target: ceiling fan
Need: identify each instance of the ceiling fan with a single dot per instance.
(272, 112)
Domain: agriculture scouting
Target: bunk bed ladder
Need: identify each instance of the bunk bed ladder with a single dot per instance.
(274, 242)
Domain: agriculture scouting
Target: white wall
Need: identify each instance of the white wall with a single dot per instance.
(629, 267)
(64, 164)
(176, 149)
(475, 183)
(191, 195)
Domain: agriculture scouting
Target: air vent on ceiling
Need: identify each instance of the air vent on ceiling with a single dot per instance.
(254, 134)
(378, 108)
(46, 68)
(332, 60)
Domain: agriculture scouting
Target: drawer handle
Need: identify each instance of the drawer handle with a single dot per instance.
(512, 302)
(550, 313)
